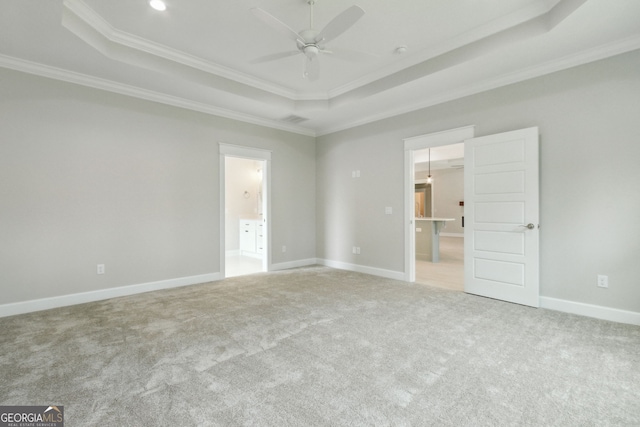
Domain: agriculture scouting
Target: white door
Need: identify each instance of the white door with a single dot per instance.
(501, 235)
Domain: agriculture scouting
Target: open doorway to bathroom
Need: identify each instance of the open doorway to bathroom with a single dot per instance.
(245, 219)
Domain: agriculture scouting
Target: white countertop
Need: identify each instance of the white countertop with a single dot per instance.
(435, 219)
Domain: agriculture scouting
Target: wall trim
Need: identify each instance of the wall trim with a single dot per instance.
(584, 57)
(78, 9)
(436, 139)
(590, 310)
(566, 306)
(389, 274)
(23, 307)
(294, 264)
(93, 82)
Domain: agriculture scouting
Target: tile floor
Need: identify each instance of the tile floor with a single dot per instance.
(238, 265)
(449, 272)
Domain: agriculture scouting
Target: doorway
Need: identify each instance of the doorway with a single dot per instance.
(439, 192)
(244, 226)
(434, 166)
(245, 208)
(424, 199)
(501, 239)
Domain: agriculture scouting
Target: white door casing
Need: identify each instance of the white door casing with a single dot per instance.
(501, 234)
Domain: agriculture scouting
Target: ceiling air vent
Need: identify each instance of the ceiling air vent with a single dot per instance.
(293, 119)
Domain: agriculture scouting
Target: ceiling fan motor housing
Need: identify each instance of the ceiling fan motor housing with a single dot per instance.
(310, 50)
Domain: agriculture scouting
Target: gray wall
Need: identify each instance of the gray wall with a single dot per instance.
(90, 177)
(590, 192)
(448, 192)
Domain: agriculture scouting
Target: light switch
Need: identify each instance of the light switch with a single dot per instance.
(388, 210)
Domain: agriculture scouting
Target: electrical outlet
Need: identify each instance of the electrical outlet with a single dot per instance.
(358, 250)
(284, 249)
(354, 250)
(100, 269)
(388, 210)
(603, 281)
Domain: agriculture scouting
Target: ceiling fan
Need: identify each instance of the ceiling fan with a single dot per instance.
(310, 42)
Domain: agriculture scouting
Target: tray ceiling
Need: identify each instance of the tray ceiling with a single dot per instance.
(202, 54)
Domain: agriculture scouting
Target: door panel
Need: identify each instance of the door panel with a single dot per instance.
(509, 273)
(499, 212)
(499, 241)
(500, 183)
(501, 199)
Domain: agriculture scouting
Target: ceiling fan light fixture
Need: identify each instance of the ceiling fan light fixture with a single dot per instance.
(311, 51)
(158, 5)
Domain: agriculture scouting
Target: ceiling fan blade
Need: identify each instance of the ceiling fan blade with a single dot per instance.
(340, 24)
(350, 55)
(275, 56)
(311, 68)
(276, 24)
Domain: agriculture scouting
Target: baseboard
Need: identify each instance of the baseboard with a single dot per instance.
(293, 264)
(590, 310)
(443, 234)
(389, 274)
(102, 294)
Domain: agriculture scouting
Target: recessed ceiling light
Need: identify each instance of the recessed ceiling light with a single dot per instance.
(158, 5)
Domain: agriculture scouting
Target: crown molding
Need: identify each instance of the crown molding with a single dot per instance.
(597, 53)
(601, 52)
(90, 17)
(371, 84)
(149, 95)
(521, 16)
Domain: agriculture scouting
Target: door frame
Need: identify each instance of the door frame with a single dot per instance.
(436, 139)
(229, 150)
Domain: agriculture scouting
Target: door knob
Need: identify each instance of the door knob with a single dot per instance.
(529, 226)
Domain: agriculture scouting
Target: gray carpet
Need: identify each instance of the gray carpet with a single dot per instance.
(316, 346)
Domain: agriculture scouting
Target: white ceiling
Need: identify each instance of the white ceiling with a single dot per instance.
(198, 54)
